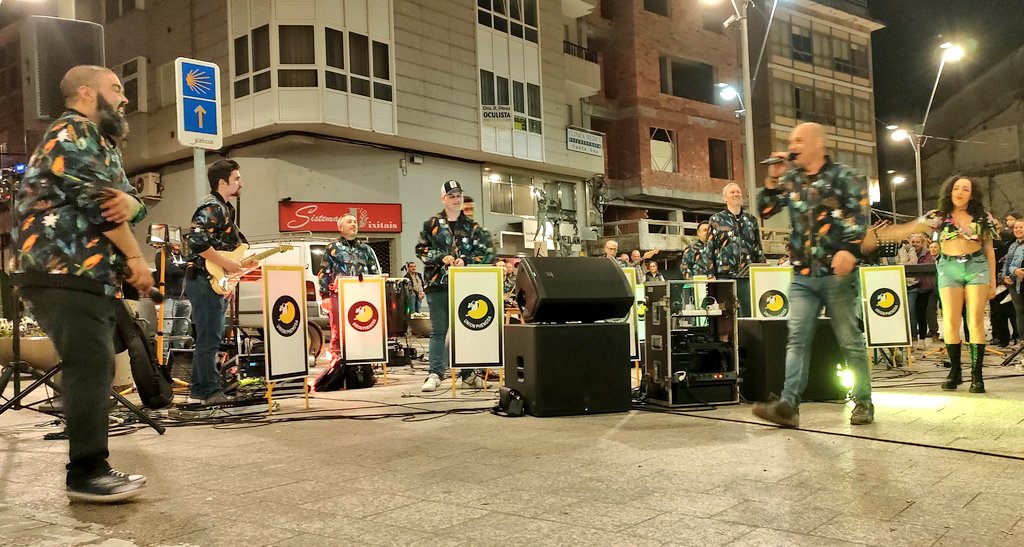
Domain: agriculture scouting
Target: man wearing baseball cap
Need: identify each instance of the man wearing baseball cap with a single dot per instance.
(449, 238)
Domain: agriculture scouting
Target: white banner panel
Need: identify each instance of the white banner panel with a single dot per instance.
(364, 329)
(634, 339)
(769, 291)
(476, 315)
(886, 316)
(284, 322)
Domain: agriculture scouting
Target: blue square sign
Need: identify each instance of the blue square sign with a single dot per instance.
(200, 116)
(197, 87)
(198, 81)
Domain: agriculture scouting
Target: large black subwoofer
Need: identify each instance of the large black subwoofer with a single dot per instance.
(763, 361)
(563, 370)
(557, 290)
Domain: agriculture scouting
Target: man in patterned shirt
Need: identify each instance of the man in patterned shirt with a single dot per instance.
(734, 243)
(829, 211)
(449, 238)
(75, 248)
(693, 262)
(344, 257)
(213, 229)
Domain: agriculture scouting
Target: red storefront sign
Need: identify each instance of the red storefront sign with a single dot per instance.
(306, 216)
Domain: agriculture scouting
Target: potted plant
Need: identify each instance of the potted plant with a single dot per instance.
(36, 349)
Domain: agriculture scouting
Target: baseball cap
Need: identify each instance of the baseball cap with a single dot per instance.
(450, 186)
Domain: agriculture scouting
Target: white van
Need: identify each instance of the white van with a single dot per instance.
(307, 250)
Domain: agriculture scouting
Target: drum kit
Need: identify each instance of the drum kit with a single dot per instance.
(399, 297)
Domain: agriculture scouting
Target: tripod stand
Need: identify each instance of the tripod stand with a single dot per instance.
(16, 367)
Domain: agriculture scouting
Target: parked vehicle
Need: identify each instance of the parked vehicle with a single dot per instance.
(307, 251)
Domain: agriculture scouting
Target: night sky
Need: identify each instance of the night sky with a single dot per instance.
(906, 58)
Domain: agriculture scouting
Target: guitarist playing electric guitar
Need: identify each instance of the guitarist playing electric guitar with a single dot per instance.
(213, 229)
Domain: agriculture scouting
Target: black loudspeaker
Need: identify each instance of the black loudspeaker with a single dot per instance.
(180, 361)
(763, 361)
(50, 47)
(557, 290)
(563, 370)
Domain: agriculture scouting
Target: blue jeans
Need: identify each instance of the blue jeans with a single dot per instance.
(208, 310)
(176, 323)
(839, 296)
(912, 307)
(437, 303)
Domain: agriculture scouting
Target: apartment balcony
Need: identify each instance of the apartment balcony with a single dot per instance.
(644, 234)
(581, 71)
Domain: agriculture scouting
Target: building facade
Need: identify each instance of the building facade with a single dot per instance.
(980, 134)
(816, 68)
(362, 104)
(672, 143)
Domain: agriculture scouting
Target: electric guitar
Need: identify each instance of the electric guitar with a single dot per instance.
(224, 283)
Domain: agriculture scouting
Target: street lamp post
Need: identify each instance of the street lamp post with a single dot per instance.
(893, 182)
(740, 9)
(916, 137)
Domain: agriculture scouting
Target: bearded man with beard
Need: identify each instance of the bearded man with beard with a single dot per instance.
(74, 208)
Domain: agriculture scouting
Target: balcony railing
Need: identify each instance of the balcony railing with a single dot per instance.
(577, 50)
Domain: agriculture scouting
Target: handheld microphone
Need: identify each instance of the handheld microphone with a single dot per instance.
(775, 159)
(155, 295)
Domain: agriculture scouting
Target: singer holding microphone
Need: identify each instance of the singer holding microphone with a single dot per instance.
(74, 209)
(828, 209)
(449, 238)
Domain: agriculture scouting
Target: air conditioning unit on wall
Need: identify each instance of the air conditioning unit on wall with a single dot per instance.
(148, 185)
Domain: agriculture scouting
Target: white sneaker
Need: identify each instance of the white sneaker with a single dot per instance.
(431, 383)
(472, 382)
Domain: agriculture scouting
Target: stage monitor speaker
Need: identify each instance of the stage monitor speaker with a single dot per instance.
(180, 361)
(50, 47)
(563, 370)
(763, 361)
(557, 290)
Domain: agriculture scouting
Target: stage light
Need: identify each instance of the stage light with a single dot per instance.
(19, 168)
(845, 376)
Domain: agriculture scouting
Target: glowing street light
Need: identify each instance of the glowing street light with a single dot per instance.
(916, 137)
(895, 181)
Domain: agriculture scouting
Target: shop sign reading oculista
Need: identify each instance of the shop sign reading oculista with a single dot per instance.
(302, 216)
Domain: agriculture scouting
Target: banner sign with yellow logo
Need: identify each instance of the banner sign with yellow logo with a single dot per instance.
(363, 320)
(769, 291)
(476, 316)
(284, 322)
(886, 314)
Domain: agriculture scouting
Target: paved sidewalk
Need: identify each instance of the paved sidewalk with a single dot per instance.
(936, 468)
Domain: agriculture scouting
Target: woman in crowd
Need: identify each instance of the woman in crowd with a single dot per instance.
(966, 269)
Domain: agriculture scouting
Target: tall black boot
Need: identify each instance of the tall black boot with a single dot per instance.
(977, 358)
(955, 377)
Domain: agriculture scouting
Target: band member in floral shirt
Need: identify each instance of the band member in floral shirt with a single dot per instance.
(344, 257)
(449, 238)
(75, 248)
(829, 210)
(734, 243)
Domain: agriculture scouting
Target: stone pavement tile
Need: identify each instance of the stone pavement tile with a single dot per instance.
(878, 532)
(307, 540)
(49, 536)
(574, 535)
(145, 519)
(359, 503)
(239, 532)
(964, 519)
(500, 529)
(600, 515)
(250, 482)
(959, 538)
(679, 529)
(468, 494)
(883, 504)
(689, 503)
(519, 503)
(792, 518)
(745, 489)
(12, 524)
(765, 537)
(427, 516)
